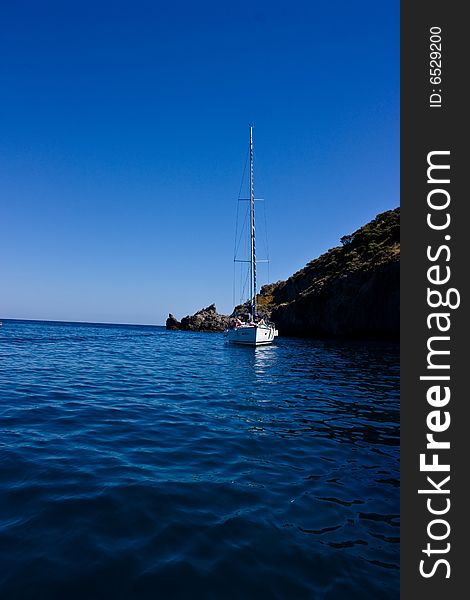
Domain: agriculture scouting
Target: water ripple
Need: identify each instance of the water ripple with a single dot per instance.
(140, 463)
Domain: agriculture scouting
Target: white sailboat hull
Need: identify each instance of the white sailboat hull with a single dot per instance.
(252, 335)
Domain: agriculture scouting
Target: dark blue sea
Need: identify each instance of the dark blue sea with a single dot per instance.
(140, 463)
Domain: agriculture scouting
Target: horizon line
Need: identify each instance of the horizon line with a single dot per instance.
(2, 319)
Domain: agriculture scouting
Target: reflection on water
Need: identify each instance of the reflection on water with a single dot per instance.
(138, 463)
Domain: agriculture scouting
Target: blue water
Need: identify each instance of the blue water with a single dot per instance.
(141, 463)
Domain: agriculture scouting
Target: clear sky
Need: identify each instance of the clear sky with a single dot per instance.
(124, 130)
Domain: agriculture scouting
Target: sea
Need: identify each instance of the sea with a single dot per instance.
(137, 462)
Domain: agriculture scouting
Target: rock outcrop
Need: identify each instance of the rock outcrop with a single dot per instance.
(172, 323)
(206, 319)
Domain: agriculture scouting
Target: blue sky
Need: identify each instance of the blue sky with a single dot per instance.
(124, 135)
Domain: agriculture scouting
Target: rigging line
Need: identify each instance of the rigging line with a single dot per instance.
(266, 232)
(245, 223)
(233, 284)
(236, 234)
(244, 287)
(266, 235)
(237, 245)
(238, 204)
(243, 176)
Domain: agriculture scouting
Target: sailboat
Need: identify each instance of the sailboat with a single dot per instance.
(255, 331)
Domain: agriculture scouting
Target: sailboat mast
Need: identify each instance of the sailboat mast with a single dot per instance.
(253, 244)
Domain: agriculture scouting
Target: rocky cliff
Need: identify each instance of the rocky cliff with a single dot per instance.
(350, 291)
